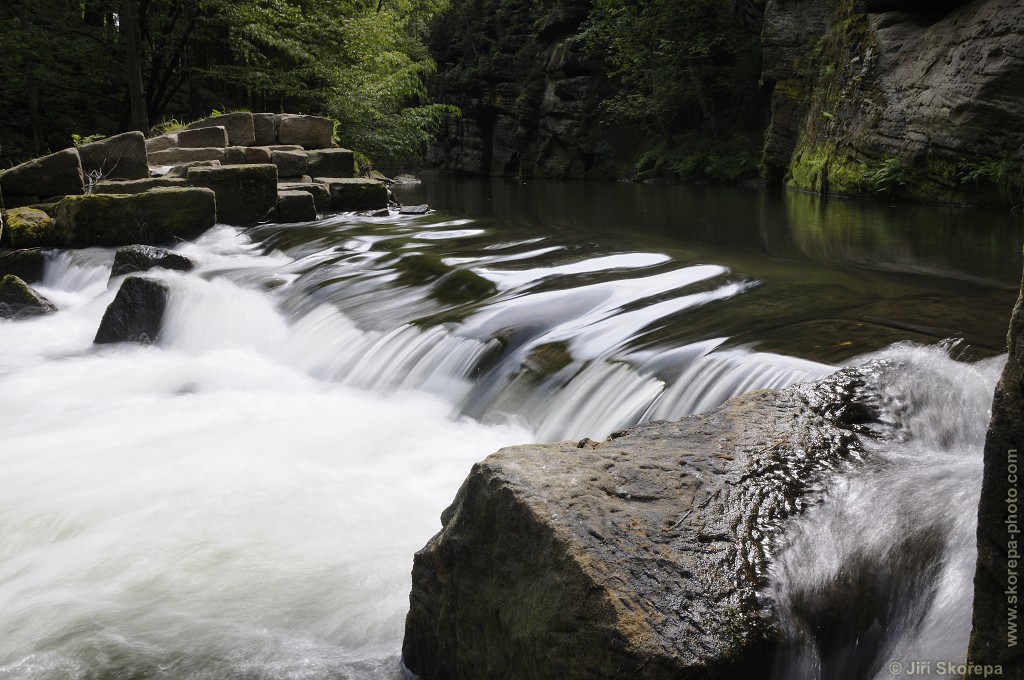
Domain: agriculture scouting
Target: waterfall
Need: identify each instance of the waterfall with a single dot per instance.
(243, 497)
(879, 576)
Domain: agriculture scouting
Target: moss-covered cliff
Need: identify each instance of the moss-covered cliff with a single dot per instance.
(897, 98)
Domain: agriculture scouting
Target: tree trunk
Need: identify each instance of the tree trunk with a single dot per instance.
(139, 119)
(31, 90)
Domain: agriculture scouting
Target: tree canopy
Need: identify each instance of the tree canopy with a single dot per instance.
(67, 67)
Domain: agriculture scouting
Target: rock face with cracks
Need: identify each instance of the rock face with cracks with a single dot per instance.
(638, 557)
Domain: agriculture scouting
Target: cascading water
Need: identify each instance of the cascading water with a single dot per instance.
(243, 498)
(877, 580)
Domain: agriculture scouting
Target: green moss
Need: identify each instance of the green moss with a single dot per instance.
(246, 194)
(420, 268)
(155, 217)
(462, 285)
(549, 358)
(30, 228)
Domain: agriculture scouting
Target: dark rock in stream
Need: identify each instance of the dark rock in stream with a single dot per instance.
(141, 258)
(27, 263)
(136, 313)
(997, 580)
(638, 557)
(18, 300)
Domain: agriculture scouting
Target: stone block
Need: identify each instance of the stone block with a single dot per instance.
(246, 194)
(155, 217)
(247, 155)
(321, 193)
(309, 132)
(119, 157)
(264, 127)
(27, 264)
(239, 127)
(355, 193)
(176, 156)
(161, 143)
(289, 163)
(295, 206)
(331, 163)
(181, 169)
(30, 228)
(58, 174)
(202, 138)
(136, 313)
(18, 300)
(137, 186)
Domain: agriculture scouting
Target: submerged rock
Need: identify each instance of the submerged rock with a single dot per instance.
(136, 313)
(638, 557)
(18, 300)
(141, 258)
(1000, 567)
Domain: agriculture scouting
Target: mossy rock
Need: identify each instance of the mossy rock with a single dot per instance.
(420, 268)
(30, 228)
(155, 217)
(246, 194)
(548, 359)
(462, 285)
(349, 194)
(27, 264)
(137, 186)
(18, 300)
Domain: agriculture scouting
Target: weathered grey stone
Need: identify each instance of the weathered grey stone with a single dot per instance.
(141, 258)
(283, 147)
(119, 157)
(181, 169)
(243, 155)
(176, 156)
(422, 209)
(639, 557)
(30, 228)
(137, 186)
(18, 300)
(295, 206)
(214, 136)
(331, 163)
(58, 174)
(238, 125)
(246, 194)
(290, 163)
(309, 132)
(155, 217)
(1000, 514)
(321, 193)
(264, 128)
(27, 264)
(161, 143)
(136, 313)
(355, 193)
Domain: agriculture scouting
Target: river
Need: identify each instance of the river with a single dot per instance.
(242, 499)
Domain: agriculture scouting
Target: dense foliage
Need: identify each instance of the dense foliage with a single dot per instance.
(65, 67)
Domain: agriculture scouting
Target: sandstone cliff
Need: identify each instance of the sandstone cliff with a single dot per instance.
(895, 97)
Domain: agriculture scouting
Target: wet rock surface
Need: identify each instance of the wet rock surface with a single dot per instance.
(136, 313)
(996, 580)
(140, 258)
(18, 300)
(640, 556)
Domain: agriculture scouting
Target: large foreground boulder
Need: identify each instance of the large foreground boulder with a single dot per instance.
(246, 194)
(638, 557)
(119, 157)
(136, 313)
(999, 578)
(156, 217)
(58, 174)
(239, 127)
(18, 300)
(30, 228)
